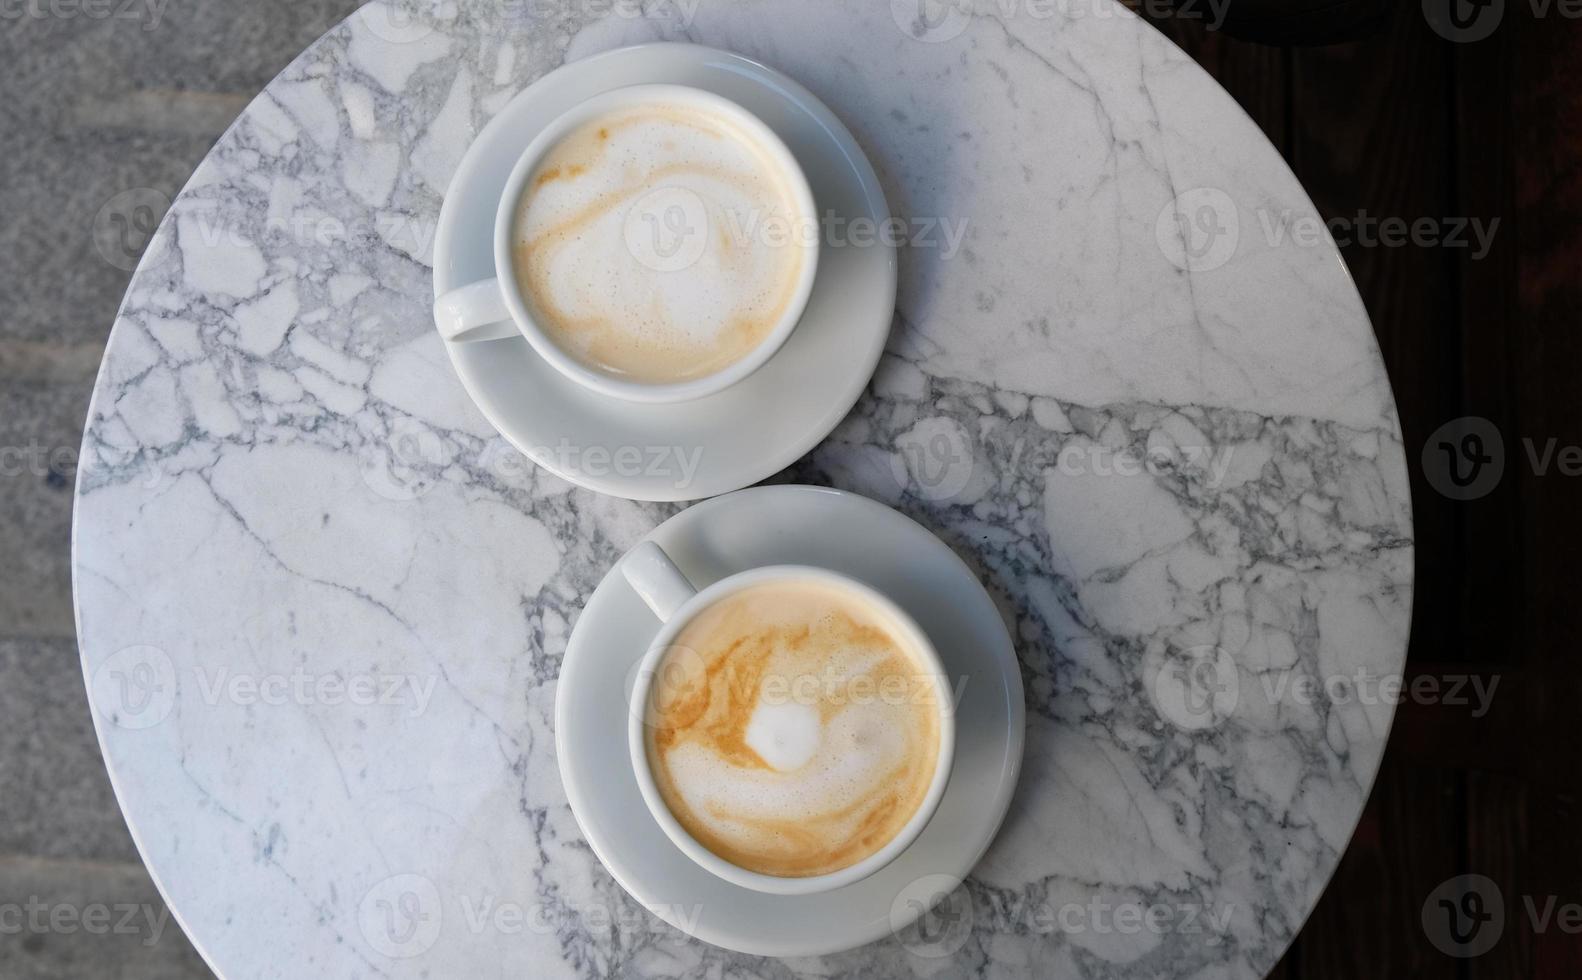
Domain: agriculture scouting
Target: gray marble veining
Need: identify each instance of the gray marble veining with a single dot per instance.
(324, 660)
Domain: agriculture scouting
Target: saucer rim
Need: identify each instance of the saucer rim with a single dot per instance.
(862, 363)
(1015, 729)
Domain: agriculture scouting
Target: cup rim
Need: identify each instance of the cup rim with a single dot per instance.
(636, 391)
(689, 845)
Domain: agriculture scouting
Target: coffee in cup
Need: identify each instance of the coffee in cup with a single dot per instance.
(655, 242)
(792, 730)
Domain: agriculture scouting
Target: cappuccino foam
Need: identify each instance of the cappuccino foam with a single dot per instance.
(651, 243)
(791, 731)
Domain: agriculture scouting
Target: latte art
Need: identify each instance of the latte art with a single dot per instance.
(639, 247)
(790, 731)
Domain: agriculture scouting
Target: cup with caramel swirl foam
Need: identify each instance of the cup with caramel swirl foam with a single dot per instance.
(657, 243)
(792, 729)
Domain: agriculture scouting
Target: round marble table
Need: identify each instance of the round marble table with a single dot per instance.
(322, 604)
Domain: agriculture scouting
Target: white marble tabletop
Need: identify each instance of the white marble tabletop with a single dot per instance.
(322, 604)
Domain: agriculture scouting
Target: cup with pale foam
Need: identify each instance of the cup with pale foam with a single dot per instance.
(791, 729)
(655, 243)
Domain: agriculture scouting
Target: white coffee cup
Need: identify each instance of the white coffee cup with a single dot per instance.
(495, 308)
(674, 599)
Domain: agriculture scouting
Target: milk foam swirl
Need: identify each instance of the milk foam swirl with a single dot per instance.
(640, 243)
(790, 731)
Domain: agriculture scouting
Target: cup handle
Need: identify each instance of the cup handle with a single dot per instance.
(657, 579)
(475, 312)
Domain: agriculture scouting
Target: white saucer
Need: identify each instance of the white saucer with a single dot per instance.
(871, 542)
(716, 444)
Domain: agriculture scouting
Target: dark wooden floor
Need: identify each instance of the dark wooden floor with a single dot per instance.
(1405, 123)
